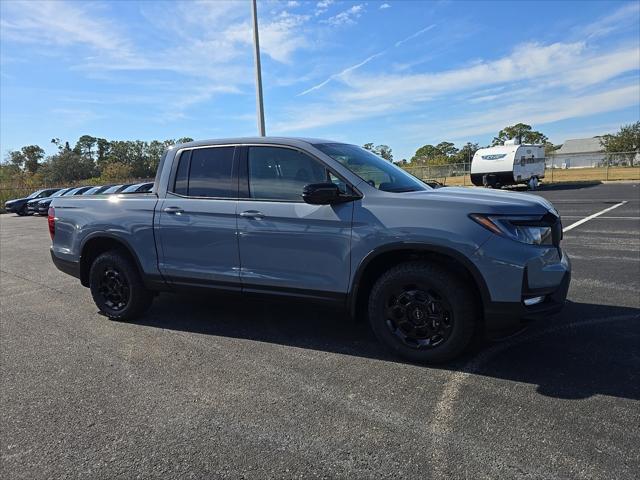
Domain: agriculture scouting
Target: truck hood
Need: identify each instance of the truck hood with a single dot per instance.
(481, 200)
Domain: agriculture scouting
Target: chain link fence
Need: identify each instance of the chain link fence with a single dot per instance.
(558, 168)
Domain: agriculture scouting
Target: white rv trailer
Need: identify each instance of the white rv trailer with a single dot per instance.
(508, 164)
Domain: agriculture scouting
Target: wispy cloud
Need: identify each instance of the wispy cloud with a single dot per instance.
(415, 35)
(539, 112)
(550, 71)
(322, 6)
(527, 62)
(623, 17)
(342, 73)
(384, 6)
(63, 24)
(346, 17)
(352, 68)
(207, 40)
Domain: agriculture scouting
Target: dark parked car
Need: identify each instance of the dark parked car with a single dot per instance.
(97, 190)
(32, 205)
(139, 188)
(19, 205)
(43, 205)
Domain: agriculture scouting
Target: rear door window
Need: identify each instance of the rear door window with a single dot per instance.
(206, 172)
(181, 186)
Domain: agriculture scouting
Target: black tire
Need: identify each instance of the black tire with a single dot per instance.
(23, 211)
(117, 288)
(430, 327)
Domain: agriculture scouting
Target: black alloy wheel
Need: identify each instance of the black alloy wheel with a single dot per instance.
(114, 289)
(419, 316)
(117, 287)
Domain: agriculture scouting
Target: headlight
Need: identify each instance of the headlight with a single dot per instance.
(525, 229)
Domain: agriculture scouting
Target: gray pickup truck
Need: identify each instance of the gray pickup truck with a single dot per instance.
(320, 221)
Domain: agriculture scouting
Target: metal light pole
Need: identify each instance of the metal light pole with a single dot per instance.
(256, 45)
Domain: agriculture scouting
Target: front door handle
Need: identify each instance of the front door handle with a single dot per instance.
(252, 214)
(174, 210)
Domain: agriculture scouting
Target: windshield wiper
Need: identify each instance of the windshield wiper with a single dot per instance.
(401, 189)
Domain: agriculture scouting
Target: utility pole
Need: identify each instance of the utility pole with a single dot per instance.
(256, 45)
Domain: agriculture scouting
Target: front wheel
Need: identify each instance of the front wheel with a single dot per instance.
(422, 313)
(117, 288)
(23, 212)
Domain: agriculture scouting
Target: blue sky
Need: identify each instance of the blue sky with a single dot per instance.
(393, 72)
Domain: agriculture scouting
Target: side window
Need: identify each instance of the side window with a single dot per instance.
(181, 185)
(210, 173)
(206, 172)
(281, 173)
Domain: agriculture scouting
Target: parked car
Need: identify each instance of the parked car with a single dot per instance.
(32, 205)
(139, 188)
(19, 205)
(116, 188)
(321, 221)
(43, 205)
(97, 190)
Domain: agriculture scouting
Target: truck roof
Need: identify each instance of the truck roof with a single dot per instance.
(290, 141)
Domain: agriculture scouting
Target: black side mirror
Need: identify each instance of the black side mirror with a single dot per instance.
(321, 193)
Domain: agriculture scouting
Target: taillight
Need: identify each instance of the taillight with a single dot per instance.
(51, 218)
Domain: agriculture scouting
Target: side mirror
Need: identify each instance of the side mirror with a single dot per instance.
(321, 193)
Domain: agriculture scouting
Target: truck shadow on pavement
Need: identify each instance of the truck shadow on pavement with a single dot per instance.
(586, 350)
(554, 187)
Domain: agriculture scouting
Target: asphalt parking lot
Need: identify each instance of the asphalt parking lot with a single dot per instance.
(206, 387)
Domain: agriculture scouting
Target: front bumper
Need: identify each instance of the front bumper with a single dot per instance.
(513, 272)
(509, 316)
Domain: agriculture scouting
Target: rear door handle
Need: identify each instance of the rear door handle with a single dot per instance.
(174, 210)
(252, 214)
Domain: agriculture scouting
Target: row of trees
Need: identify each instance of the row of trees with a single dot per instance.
(90, 157)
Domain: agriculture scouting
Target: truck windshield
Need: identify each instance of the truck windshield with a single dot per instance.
(376, 171)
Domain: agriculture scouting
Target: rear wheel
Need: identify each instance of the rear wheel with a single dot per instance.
(422, 313)
(117, 288)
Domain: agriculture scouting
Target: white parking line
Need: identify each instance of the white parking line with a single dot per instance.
(603, 218)
(586, 219)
